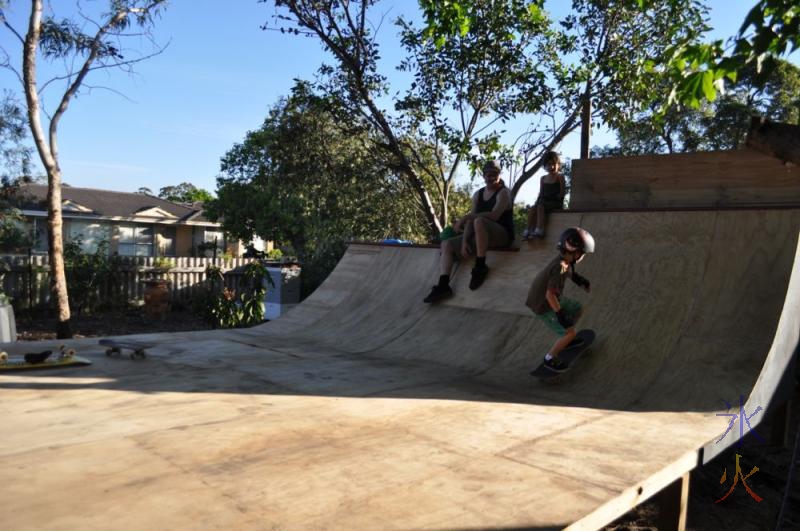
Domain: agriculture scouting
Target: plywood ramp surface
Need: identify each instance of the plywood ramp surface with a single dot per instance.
(365, 408)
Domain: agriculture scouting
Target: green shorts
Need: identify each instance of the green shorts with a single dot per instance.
(571, 307)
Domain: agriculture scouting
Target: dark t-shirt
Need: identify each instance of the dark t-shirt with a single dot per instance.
(551, 277)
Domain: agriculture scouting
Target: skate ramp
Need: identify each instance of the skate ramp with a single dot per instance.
(686, 306)
(365, 408)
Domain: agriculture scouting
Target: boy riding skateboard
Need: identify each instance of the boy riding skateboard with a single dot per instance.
(545, 294)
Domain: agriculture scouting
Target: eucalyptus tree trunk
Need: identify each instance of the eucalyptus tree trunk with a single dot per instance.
(49, 157)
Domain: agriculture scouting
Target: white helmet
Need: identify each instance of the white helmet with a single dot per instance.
(576, 239)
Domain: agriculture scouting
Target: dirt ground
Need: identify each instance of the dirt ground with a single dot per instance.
(39, 326)
(738, 511)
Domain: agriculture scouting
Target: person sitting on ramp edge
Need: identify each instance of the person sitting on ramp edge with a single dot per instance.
(490, 224)
(544, 296)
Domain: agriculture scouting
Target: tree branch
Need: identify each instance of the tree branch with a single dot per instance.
(20, 38)
(114, 20)
(116, 64)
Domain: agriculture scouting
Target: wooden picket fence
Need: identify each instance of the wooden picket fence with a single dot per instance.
(27, 278)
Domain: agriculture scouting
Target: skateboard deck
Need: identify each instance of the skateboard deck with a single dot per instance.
(568, 356)
(65, 358)
(115, 347)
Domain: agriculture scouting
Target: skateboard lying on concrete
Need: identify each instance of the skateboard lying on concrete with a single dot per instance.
(115, 347)
(42, 360)
(569, 355)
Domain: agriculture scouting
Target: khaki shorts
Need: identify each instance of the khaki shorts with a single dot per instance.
(498, 238)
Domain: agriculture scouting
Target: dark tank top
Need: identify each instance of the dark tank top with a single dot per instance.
(550, 191)
(506, 219)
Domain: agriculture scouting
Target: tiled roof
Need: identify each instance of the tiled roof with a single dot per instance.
(107, 203)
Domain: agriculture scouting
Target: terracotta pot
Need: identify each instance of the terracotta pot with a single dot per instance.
(156, 298)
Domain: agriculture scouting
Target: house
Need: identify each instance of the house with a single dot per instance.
(134, 224)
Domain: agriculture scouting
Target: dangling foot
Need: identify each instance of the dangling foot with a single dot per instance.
(479, 273)
(438, 293)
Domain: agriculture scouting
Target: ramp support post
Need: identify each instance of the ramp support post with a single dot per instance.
(779, 431)
(673, 503)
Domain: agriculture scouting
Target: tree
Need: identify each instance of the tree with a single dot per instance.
(15, 169)
(15, 155)
(518, 60)
(460, 92)
(144, 191)
(185, 193)
(698, 71)
(605, 50)
(307, 179)
(722, 124)
(65, 41)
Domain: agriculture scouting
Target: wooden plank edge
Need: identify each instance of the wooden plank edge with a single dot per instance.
(634, 496)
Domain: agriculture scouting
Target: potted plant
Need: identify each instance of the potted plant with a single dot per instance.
(161, 266)
(156, 290)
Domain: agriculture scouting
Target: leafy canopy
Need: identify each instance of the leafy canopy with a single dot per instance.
(182, 193)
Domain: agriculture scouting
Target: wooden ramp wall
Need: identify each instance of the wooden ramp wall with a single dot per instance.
(714, 179)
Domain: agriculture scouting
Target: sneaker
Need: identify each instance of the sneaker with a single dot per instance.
(556, 365)
(526, 234)
(478, 276)
(438, 293)
(537, 233)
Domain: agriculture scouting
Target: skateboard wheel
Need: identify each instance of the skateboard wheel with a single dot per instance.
(68, 353)
(3, 358)
(109, 352)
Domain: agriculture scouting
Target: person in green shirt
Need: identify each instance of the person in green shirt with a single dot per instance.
(545, 297)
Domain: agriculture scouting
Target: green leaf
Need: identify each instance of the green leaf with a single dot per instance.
(709, 90)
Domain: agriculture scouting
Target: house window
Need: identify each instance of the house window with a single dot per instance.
(135, 240)
(166, 241)
(212, 238)
(90, 233)
(40, 243)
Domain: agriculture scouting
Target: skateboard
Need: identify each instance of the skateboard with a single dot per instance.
(42, 360)
(569, 355)
(115, 347)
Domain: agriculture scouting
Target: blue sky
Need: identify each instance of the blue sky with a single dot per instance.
(182, 110)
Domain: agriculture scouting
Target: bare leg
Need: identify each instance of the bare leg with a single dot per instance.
(532, 218)
(468, 237)
(563, 341)
(481, 237)
(541, 216)
(446, 257)
(567, 338)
